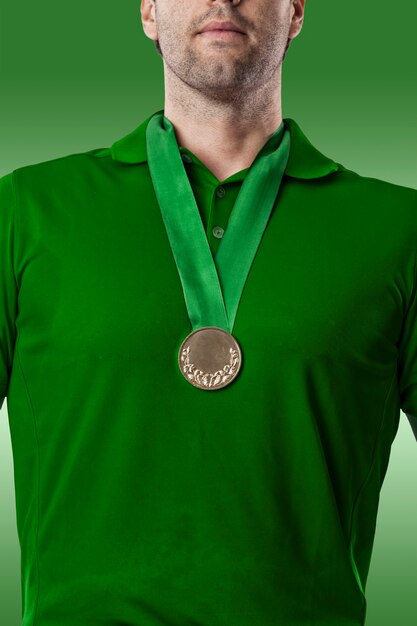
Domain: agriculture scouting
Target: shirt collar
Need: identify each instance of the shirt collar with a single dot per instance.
(304, 160)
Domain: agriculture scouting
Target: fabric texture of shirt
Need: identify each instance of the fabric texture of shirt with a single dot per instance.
(144, 501)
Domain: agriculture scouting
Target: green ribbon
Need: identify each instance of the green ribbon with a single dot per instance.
(212, 297)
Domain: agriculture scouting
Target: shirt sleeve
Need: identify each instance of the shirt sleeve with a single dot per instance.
(8, 284)
(407, 361)
(413, 423)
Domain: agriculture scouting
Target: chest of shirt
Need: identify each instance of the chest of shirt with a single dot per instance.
(98, 277)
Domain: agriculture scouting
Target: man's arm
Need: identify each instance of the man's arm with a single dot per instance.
(413, 421)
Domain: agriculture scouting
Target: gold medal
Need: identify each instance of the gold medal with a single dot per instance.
(209, 358)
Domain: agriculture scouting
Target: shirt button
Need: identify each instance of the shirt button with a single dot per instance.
(218, 232)
(186, 157)
(221, 192)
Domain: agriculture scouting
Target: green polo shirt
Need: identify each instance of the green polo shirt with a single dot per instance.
(144, 501)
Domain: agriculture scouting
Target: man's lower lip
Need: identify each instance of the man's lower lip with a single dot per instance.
(222, 34)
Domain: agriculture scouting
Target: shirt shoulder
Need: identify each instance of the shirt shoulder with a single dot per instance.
(375, 198)
(54, 177)
(374, 185)
(64, 163)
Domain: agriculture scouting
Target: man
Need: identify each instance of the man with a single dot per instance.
(207, 332)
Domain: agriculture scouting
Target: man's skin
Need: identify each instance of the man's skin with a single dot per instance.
(223, 97)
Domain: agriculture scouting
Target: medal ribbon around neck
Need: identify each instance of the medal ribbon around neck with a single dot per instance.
(212, 296)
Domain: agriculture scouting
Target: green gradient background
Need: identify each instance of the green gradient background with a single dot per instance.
(78, 75)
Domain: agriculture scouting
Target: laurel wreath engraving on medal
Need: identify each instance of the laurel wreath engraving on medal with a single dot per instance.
(207, 378)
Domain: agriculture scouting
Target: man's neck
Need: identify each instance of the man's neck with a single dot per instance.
(225, 137)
